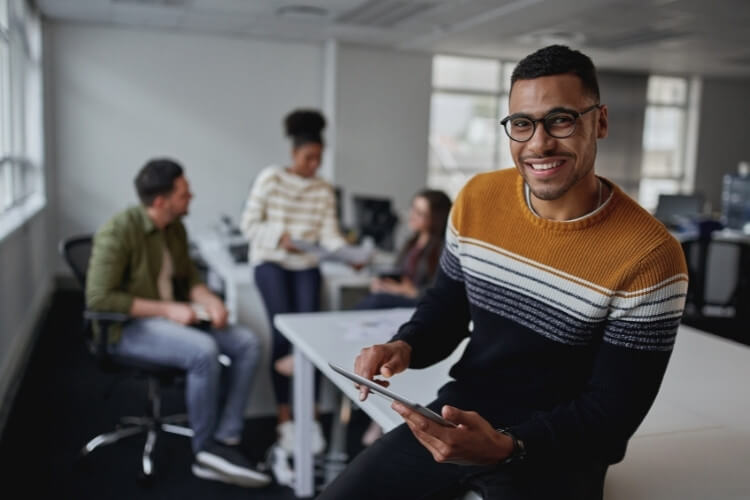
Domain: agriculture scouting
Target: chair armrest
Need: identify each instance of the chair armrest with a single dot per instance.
(105, 320)
(110, 317)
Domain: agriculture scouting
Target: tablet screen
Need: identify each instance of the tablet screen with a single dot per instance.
(422, 410)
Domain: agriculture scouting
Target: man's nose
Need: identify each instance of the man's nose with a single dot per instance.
(540, 139)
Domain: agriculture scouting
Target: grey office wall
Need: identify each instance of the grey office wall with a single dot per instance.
(25, 286)
(383, 110)
(722, 134)
(216, 104)
(619, 155)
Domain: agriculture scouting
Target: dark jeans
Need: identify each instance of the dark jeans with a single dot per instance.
(397, 467)
(385, 301)
(285, 291)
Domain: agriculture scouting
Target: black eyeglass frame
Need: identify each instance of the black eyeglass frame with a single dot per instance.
(576, 115)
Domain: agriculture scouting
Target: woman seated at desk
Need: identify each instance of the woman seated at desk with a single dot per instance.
(415, 266)
(418, 259)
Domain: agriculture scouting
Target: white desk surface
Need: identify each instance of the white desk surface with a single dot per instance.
(693, 444)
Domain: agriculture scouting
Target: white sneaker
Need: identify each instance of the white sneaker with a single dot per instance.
(286, 437)
(278, 461)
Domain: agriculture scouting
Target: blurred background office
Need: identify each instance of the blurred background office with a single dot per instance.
(412, 90)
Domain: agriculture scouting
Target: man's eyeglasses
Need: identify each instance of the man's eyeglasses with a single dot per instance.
(559, 123)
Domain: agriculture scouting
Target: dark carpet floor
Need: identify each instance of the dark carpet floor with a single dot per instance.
(64, 400)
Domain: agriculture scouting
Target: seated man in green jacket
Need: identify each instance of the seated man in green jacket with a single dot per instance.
(140, 266)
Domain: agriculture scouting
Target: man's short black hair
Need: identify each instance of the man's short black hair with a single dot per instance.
(156, 178)
(558, 60)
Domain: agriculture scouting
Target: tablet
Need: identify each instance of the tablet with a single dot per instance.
(422, 410)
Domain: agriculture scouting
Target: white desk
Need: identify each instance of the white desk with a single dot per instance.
(694, 443)
(235, 276)
(245, 306)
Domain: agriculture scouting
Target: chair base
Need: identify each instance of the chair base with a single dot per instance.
(133, 426)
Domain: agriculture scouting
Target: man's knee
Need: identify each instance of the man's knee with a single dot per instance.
(245, 344)
(206, 354)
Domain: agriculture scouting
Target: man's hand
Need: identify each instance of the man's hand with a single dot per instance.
(179, 312)
(382, 359)
(473, 442)
(218, 313)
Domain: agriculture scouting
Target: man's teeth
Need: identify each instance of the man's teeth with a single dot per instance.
(546, 166)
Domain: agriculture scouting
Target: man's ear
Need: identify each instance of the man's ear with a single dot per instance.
(158, 201)
(602, 124)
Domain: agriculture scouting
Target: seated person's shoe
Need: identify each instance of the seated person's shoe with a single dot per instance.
(225, 463)
(286, 437)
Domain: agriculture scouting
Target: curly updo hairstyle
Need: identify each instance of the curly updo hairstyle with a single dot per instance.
(304, 126)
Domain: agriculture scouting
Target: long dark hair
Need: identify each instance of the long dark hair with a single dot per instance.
(440, 206)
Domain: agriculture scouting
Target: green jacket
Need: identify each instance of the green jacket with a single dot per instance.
(126, 259)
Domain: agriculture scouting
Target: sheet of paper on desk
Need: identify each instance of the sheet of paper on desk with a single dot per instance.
(351, 254)
(376, 329)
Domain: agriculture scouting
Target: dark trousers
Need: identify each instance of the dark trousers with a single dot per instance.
(397, 467)
(285, 291)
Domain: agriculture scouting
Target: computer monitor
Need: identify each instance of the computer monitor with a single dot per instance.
(374, 217)
(735, 202)
(674, 209)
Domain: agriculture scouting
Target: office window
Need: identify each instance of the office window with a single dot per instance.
(5, 179)
(21, 128)
(664, 132)
(469, 97)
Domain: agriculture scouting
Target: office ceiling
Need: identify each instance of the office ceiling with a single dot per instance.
(665, 36)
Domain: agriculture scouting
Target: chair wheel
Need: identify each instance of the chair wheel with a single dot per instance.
(145, 480)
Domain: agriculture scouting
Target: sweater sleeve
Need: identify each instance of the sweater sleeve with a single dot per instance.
(442, 317)
(330, 234)
(254, 223)
(629, 366)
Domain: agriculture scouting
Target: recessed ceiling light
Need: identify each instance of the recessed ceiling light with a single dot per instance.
(301, 11)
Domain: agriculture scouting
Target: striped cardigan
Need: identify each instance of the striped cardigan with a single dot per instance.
(280, 202)
(573, 322)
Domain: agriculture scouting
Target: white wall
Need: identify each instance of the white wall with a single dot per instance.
(119, 97)
(215, 104)
(25, 287)
(383, 115)
(723, 135)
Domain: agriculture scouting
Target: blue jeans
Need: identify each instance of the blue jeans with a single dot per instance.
(167, 343)
(286, 291)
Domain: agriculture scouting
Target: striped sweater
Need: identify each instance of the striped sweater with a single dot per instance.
(573, 322)
(280, 202)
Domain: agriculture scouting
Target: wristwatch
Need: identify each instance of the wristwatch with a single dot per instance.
(519, 448)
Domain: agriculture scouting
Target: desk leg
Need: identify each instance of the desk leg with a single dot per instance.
(304, 396)
(230, 297)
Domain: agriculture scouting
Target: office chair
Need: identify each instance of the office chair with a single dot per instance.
(719, 274)
(76, 251)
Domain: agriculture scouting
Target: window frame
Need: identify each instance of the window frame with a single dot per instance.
(22, 183)
(500, 95)
(681, 151)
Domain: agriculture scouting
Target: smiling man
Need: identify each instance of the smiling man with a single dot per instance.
(575, 294)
